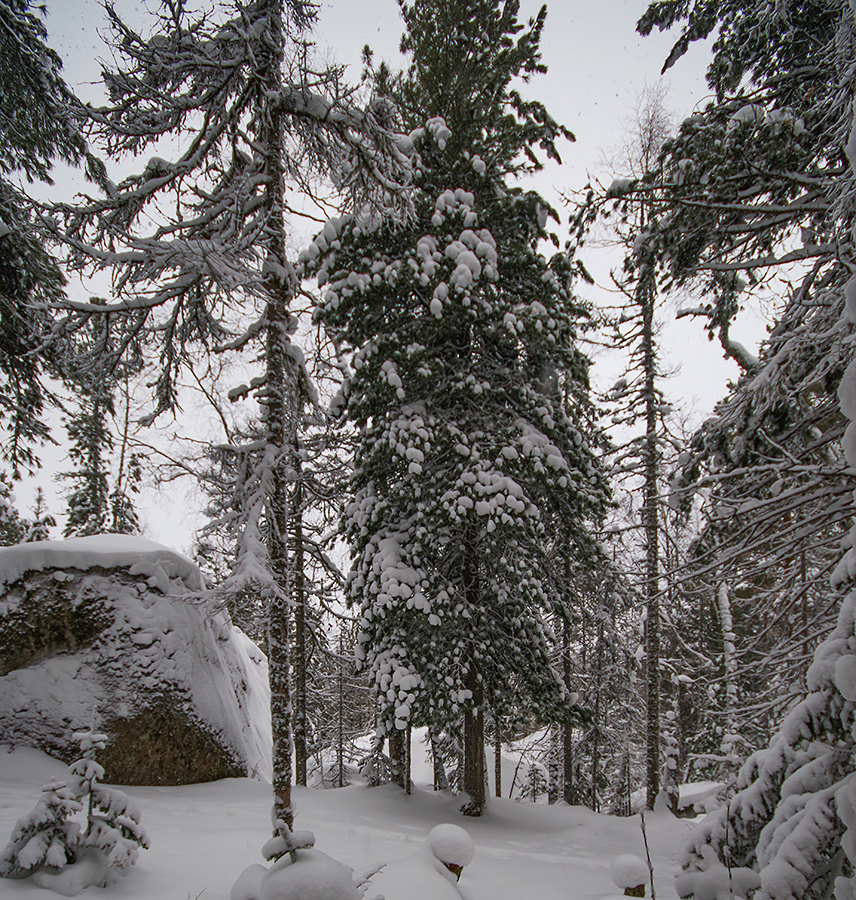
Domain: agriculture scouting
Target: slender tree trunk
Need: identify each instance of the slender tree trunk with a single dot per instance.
(553, 767)
(650, 523)
(396, 757)
(441, 779)
(596, 729)
(408, 749)
(281, 405)
(497, 757)
(474, 766)
(567, 732)
(300, 749)
(474, 770)
(340, 736)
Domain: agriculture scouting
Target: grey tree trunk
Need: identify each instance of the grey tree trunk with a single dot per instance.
(281, 404)
(299, 664)
(568, 790)
(651, 526)
(441, 779)
(497, 757)
(474, 764)
(396, 757)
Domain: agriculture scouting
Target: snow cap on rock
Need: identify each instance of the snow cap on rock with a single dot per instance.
(451, 845)
(628, 871)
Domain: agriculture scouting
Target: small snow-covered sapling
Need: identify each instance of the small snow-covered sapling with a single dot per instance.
(80, 832)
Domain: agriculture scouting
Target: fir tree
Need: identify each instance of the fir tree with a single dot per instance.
(467, 454)
(636, 402)
(95, 374)
(80, 833)
(754, 186)
(534, 785)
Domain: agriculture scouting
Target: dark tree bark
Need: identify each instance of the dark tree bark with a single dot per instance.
(568, 791)
(300, 661)
(474, 764)
(281, 404)
(651, 526)
(497, 757)
(396, 757)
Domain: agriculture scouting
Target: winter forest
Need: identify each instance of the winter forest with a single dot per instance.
(460, 615)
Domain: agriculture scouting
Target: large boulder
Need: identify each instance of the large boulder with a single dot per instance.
(120, 633)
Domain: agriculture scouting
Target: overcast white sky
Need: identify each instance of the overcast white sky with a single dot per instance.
(597, 68)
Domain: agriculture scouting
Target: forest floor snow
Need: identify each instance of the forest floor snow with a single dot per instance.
(203, 836)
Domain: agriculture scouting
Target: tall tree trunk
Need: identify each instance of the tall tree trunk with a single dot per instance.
(596, 730)
(340, 736)
(408, 749)
(474, 765)
(568, 791)
(396, 757)
(299, 667)
(441, 779)
(650, 523)
(497, 757)
(474, 769)
(281, 402)
(553, 786)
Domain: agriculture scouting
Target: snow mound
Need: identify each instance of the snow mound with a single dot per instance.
(628, 871)
(312, 875)
(431, 873)
(452, 845)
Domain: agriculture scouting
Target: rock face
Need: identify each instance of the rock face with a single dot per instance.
(119, 632)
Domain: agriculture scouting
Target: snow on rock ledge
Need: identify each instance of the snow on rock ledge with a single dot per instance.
(120, 628)
(106, 551)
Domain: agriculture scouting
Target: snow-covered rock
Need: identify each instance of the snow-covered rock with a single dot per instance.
(118, 631)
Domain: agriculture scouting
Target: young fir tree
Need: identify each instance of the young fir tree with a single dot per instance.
(236, 96)
(468, 455)
(80, 833)
(39, 529)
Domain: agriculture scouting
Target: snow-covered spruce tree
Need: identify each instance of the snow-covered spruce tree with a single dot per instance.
(468, 456)
(39, 528)
(235, 90)
(751, 183)
(38, 123)
(778, 502)
(534, 785)
(80, 833)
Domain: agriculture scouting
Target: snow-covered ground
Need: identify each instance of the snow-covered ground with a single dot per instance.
(203, 836)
